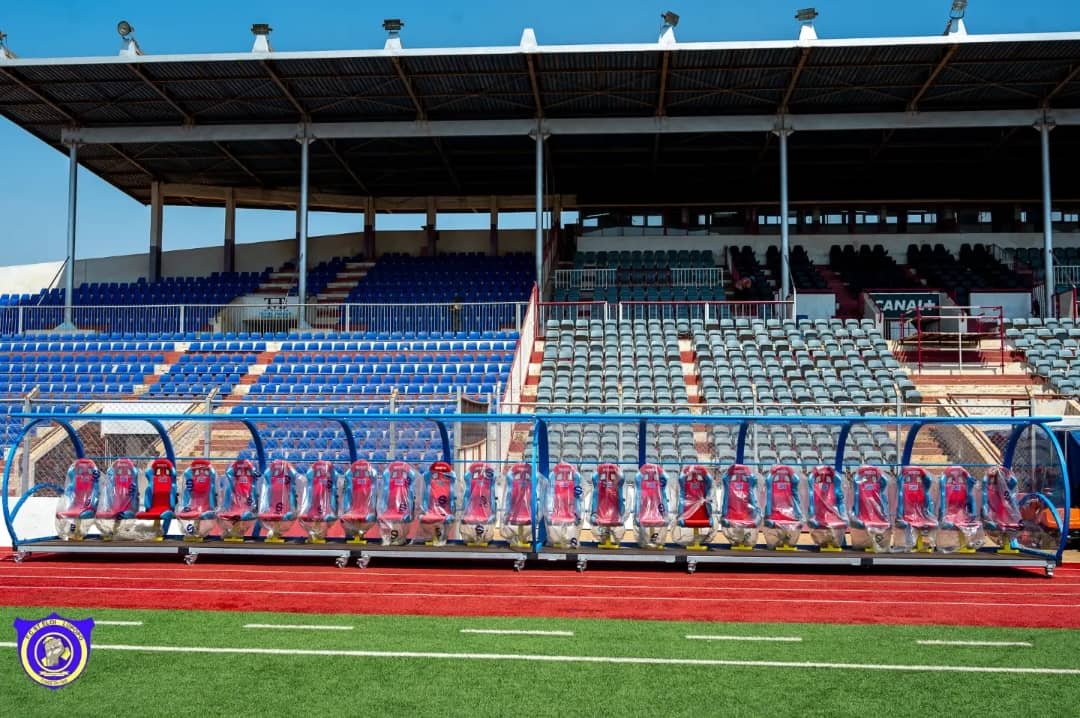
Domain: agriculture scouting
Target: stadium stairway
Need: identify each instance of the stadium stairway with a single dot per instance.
(847, 304)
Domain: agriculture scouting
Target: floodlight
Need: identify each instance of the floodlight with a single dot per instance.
(261, 28)
(958, 8)
(807, 14)
(393, 25)
(124, 28)
(671, 19)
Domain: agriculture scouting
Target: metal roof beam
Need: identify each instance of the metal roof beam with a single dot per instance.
(1073, 74)
(421, 116)
(329, 145)
(913, 104)
(661, 95)
(804, 56)
(285, 90)
(534, 82)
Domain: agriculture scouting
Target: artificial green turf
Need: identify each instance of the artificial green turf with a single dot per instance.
(138, 683)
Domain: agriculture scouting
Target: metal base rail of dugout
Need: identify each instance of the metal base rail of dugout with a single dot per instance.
(361, 554)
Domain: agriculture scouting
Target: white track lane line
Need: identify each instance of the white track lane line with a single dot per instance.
(510, 632)
(624, 660)
(533, 596)
(297, 627)
(117, 623)
(1021, 644)
(345, 581)
(778, 639)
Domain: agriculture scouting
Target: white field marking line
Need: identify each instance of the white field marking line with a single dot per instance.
(1021, 644)
(778, 639)
(117, 623)
(512, 632)
(298, 627)
(533, 596)
(347, 581)
(443, 574)
(626, 660)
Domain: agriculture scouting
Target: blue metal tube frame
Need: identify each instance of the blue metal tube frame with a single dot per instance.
(541, 456)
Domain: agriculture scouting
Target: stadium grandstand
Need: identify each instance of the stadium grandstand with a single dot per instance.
(787, 228)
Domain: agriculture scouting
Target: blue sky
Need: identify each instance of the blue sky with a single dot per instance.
(34, 178)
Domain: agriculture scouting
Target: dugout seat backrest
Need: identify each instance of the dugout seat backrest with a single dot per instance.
(565, 495)
(519, 500)
(826, 499)
(870, 506)
(480, 494)
(695, 501)
(239, 497)
(958, 501)
(782, 502)
(359, 503)
(739, 500)
(81, 492)
(198, 495)
(321, 500)
(608, 501)
(160, 500)
(916, 504)
(280, 500)
(651, 499)
(399, 492)
(122, 492)
(1001, 507)
(439, 494)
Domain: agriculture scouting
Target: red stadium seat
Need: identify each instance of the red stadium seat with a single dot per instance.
(160, 501)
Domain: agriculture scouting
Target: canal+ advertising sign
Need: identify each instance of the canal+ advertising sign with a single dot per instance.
(893, 305)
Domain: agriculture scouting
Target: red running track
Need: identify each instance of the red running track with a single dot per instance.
(1019, 599)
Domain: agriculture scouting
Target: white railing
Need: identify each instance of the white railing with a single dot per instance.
(708, 312)
(271, 316)
(697, 276)
(1067, 275)
(585, 278)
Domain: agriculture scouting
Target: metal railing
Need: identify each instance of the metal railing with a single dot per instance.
(599, 278)
(708, 312)
(1067, 275)
(273, 316)
(585, 278)
(953, 327)
(697, 276)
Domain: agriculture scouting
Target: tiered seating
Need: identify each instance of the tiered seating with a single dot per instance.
(746, 366)
(645, 276)
(108, 305)
(1052, 349)
(976, 269)
(585, 364)
(397, 279)
(751, 282)
(868, 268)
(198, 373)
(804, 273)
(59, 365)
(319, 276)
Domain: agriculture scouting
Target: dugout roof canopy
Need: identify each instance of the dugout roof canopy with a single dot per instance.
(883, 119)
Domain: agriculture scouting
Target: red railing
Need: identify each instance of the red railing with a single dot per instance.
(963, 316)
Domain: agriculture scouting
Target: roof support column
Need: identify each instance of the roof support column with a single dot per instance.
(1044, 126)
(157, 219)
(430, 227)
(785, 246)
(302, 218)
(228, 262)
(539, 137)
(369, 229)
(493, 231)
(69, 267)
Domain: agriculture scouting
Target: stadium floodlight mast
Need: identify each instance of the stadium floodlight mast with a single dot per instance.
(130, 45)
(5, 53)
(806, 17)
(261, 31)
(667, 30)
(393, 26)
(956, 25)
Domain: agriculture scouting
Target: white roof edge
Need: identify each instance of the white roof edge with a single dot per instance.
(557, 49)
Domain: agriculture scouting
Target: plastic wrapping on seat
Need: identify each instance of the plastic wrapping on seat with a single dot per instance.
(740, 516)
(478, 505)
(916, 520)
(1001, 507)
(397, 503)
(159, 498)
(319, 500)
(239, 489)
(607, 513)
(652, 514)
(119, 501)
(438, 505)
(783, 520)
(517, 506)
(359, 501)
(695, 517)
(961, 530)
(826, 514)
(1041, 525)
(77, 506)
(197, 510)
(277, 499)
(562, 507)
(871, 522)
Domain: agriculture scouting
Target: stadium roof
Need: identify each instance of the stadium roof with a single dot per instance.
(894, 119)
